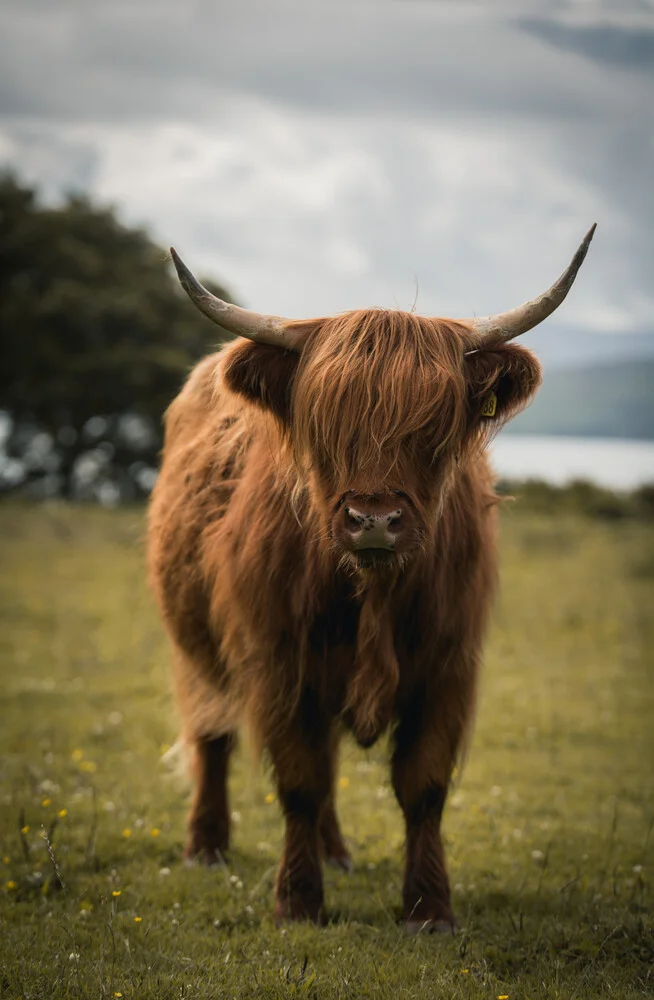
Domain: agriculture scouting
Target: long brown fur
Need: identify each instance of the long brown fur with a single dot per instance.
(273, 627)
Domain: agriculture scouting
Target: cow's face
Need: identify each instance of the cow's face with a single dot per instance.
(383, 410)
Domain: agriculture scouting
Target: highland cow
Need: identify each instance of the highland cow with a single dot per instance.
(322, 545)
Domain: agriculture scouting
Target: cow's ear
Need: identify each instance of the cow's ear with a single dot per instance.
(264, 374)
(501, 382)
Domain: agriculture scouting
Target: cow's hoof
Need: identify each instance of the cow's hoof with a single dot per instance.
(428, 915)
(304, 902)
(210, 857)
(298, 913)
(414, 927)
(340, 862)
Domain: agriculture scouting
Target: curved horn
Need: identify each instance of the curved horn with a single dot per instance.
(255, 326)
(493, 330)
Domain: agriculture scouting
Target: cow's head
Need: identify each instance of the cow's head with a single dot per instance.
(382, 407)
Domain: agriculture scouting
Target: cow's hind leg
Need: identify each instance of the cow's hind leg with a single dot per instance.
(208, 828)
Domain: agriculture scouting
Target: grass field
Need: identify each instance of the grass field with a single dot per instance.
(550, 830)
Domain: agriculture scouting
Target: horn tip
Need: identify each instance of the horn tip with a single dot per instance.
(183, 272)
(579, 257)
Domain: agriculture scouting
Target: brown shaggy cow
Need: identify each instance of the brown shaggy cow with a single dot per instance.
(322, 547)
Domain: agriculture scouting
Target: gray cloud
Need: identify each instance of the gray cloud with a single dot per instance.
(319, 157)
(109, 61)
(607, 43)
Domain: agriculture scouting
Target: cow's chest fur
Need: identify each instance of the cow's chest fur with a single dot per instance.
(331, 649)
(334, 654)
(336, 625)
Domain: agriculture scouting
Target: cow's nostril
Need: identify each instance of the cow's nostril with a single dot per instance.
(395, 521)
(352, 520)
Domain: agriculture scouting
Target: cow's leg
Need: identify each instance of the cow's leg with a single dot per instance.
(427, 741)
(208, 828)
(302, 761)
(334, 851)
(421, 793)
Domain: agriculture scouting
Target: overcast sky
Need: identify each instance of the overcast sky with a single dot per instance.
(320, 156)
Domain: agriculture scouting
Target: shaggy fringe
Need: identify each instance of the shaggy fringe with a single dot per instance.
(343, 421)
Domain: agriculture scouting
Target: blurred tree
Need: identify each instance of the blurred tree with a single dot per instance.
(92, 323)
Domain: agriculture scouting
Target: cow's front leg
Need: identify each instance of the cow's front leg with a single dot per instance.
(302, 763)
(427, 741)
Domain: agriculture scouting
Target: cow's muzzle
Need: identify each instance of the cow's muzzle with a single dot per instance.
(371, 530)
(374, 528)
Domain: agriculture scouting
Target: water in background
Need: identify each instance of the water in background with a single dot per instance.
(612, 462)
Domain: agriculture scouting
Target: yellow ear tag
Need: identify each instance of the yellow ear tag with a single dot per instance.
(490, 406)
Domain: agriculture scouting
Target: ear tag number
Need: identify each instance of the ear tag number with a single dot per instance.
(490, 406)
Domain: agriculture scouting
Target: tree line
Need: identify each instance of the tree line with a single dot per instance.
(96, 339)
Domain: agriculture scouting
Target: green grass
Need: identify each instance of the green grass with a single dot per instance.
(549, 830)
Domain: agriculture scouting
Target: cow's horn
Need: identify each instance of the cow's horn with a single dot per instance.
(493, 330)
(255, 326)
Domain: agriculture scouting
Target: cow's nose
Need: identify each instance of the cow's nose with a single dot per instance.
(368, 530)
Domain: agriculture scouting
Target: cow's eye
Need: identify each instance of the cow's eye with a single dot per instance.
(344, 498)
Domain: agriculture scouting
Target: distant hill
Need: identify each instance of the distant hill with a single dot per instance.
(607, 400)
(563, 347)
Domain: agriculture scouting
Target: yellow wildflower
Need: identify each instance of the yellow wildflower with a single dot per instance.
(127, 832)
(503, 996)
(77, 754)
(137, 920)
(25, 829)
(154, 831)
(116, 893)
(11, 885)
(464, 972)
(344, 782)
(62, 813)
(46, 803)
(118, 994)
(270, 798)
